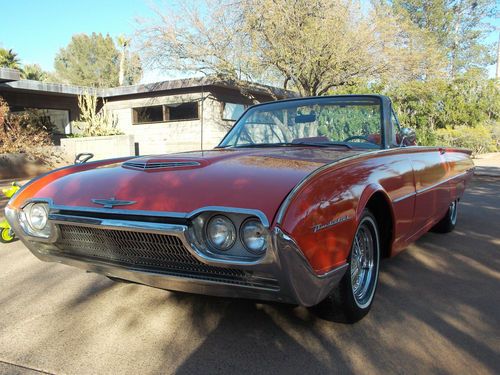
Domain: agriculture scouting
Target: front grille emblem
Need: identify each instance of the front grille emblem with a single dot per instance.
(109, 203)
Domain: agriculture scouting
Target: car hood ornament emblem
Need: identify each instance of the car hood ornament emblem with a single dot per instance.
(109, 203)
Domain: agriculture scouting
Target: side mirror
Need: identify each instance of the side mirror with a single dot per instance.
(408, 137)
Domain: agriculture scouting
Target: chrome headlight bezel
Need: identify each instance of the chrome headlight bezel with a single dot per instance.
(238, 252)
(245, 239)
(231, 232)
(29, 226)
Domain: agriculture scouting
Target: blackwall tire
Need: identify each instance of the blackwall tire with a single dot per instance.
(449, 221)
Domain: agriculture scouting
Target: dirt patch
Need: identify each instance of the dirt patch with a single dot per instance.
(15, 166)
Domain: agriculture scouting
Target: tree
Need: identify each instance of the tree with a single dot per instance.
(184, 38)
(133, 69)
(123, 43)
(93, 60)
(459, 26)
(310, 46)
(9, 59)
(130, 68)
(33, 72)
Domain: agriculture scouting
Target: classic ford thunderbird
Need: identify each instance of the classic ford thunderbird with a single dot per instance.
(298, 204)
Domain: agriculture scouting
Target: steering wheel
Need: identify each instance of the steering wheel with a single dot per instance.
(351, 138)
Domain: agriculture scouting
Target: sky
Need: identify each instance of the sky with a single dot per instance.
(37, 29)
(47, 25)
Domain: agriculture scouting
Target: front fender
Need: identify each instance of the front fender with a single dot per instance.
(323, 215)
(367, 194)
(322, 218)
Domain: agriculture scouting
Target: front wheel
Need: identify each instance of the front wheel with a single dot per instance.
(352, 298)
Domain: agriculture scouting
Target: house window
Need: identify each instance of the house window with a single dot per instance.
(232, 111)
(184, 111)
(57, 120)
(165, 113)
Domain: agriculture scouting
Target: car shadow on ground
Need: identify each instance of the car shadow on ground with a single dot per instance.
(487, 171)
(438, 297)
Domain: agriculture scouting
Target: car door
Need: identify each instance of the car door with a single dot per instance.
(430, 172)
(432, 195)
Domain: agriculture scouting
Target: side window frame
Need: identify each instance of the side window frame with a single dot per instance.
(395, 128)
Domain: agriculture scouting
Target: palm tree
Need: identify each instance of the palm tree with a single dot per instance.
(9, 59)
(33, 72)
(123, 43)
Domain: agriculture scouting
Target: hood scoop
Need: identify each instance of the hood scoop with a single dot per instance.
(149, 165)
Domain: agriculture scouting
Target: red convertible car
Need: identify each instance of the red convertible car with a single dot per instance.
(298, 204)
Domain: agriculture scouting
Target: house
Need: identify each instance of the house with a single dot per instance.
(169, 116)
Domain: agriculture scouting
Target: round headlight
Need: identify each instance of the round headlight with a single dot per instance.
(253, 235)
(221, 232)
(38, 216)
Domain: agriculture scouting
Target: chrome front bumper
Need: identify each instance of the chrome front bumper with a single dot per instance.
(284, 262)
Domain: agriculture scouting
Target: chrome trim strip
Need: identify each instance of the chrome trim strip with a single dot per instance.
(415, 193)
(440, 183)
(402, 198)
(163, 214)
(130, 226)
(146, 166)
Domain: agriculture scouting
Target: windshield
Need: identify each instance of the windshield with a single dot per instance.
(344, 121)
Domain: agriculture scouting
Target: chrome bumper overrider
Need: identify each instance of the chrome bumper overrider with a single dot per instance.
(296, 281)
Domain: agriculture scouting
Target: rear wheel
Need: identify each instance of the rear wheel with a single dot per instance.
(352, 298)
(448, 223)
(7, 235)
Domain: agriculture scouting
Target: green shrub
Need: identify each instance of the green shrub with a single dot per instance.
(478, 139)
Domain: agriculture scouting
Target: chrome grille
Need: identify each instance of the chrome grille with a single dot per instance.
(161, 253)
(169, 164)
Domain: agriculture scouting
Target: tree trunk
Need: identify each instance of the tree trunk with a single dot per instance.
(121, 73)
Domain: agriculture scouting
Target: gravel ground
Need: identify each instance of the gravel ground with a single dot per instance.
(488, 164)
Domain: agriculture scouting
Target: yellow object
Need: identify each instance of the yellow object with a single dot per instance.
(6, 233)
(12, 190)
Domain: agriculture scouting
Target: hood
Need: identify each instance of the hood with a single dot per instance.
(247, 178)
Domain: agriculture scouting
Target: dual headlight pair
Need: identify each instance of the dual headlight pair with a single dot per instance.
(220, 231)
(221, 234)
(34, 219)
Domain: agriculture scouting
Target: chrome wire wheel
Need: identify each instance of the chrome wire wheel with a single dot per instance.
(364, 262)
(352, 298)
(452, 211)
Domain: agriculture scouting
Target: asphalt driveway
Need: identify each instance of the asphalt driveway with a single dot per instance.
(437, 311)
